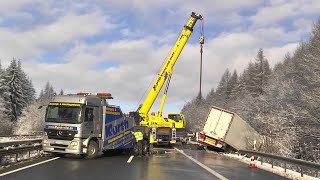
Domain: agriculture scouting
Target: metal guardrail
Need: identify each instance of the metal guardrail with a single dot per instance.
(31, 133)
(297, 162)
(16, 150)
(17, 143)
(17, 147)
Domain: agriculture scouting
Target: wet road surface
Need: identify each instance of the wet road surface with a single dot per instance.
(172, 165)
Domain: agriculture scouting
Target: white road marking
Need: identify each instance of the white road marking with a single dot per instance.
(202, 165)
(130, 159)
(26, 167)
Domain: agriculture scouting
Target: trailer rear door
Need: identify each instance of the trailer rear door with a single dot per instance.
(217, 123)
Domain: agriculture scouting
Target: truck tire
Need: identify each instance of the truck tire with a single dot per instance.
(92, 150)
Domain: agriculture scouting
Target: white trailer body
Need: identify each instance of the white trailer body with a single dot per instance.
(224, 128)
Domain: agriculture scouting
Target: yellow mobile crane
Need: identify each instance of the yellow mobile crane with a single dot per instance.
(161, 127)
(178, 130)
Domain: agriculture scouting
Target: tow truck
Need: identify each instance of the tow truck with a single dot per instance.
(164, 129)
(86, 124)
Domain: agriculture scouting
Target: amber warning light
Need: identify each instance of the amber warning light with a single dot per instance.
(105, 95)
(83, 94)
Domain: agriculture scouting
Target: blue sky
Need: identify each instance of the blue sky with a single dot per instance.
(119, 46)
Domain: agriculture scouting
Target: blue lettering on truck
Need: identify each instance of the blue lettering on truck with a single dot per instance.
(115, 129)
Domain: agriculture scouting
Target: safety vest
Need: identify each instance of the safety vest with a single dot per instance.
(138, 135)
(151, 138)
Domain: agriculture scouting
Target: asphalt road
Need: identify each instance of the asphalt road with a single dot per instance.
(188, 164)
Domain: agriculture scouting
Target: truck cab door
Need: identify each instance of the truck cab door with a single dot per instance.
(88, 122)
(97, 120)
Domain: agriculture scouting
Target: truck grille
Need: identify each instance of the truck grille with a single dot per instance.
(60, 134)
(59, 145)
(164, 137)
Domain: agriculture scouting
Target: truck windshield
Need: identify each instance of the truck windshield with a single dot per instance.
(175, 117)
(63, 114)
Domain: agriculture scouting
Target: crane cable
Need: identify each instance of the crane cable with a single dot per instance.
(201, 42)
(201, 38)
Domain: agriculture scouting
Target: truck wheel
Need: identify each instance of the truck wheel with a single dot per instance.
(92, 150)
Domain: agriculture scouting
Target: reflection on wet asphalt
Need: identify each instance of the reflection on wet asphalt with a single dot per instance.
(172, 165)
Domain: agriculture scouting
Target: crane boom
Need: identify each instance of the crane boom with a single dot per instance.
(166, 69)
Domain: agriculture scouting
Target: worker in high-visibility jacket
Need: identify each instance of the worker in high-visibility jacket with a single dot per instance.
(151, 141)
(139, 137)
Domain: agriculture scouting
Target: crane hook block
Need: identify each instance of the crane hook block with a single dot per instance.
(201, 40)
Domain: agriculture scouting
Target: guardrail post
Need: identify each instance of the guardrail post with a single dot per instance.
(261, 161)
(301, 171)
(16, 157)
(272, 164)
(285, 167)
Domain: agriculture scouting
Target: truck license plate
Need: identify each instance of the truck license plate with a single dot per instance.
(211, 141)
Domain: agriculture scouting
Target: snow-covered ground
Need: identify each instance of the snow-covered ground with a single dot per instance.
(268, 167)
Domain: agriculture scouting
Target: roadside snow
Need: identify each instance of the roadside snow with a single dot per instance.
(268, 167)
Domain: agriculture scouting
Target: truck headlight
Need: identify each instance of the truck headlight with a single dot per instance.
(74, 143)
(45, 141)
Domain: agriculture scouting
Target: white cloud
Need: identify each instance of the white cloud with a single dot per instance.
(148, 29)
(65, 30)
(284, 10)
(277, 54)
(9, 6)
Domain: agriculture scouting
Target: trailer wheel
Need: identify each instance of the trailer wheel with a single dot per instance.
(92, 150)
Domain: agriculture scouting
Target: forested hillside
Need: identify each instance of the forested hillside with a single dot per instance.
(281, 103)
(19, 113)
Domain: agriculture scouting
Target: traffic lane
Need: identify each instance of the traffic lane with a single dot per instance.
(74, 167)
(23, 163)
(167, 166)
(230, 168)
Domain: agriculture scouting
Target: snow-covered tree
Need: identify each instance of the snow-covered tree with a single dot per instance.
(5, 123)
(195, 112)
(61, 92)
(15, 100)
(47, 94)
(26, 85)
(32, 118)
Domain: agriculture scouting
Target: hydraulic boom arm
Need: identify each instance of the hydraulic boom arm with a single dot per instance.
(166, 70)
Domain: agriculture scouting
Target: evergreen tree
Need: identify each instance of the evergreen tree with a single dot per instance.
(47, 94)
(61, 92)
(233, 84)
(5, 123)
(15, 100)
(223, 90)
(261, 74)
(27, 87)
